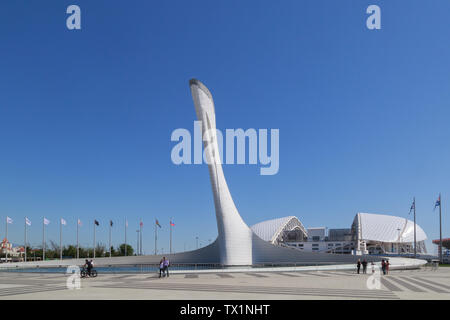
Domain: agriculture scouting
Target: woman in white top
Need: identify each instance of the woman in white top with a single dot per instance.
(161, 268)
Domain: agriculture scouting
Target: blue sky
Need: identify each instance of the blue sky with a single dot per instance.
(86, 116)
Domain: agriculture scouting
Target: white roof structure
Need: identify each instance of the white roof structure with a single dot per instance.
(272, 230)
(384, 228)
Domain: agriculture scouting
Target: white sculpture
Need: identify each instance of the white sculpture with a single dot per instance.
(237, 244)
(235, 237)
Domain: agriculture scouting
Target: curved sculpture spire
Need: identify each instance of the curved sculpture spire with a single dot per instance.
(237, 244)
(235, 237)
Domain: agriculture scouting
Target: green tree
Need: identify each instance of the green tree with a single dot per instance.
(100, 250)
(84, 252)
(122, 250)
(70, 251)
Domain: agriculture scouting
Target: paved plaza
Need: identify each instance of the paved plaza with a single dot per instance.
(424, 283)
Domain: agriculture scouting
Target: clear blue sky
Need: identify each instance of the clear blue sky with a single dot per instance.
(86, 116)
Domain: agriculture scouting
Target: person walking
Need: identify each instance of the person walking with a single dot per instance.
(383, 266)
(161, 267)
(166, 264)
(387, 266)
(358, 266)
(373, 267)
(364, 264)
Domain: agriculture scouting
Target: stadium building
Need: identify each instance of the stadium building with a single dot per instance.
(369, 234)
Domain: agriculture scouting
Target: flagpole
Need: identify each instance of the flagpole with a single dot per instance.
(156, 239)
(110, 238)
(43, 240)
(170, 235)
(137, 242)
(25, 245)
(94, 240)
(440, 228)
(126, 236)
(140, 237)
(60, 239)
(78, 246)
(7, 241)
(415, 243)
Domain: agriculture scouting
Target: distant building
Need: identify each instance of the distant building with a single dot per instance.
(369, 234)
(13, 252)
(282, 230)
(445, 243)
(445, 249)
(5, 246)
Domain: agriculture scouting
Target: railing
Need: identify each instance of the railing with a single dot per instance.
(203, 267)
(117, 268)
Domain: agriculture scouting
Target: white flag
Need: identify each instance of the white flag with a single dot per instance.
(79, 222)
(46, 221)
(27, 221)
(9, 220)
(63, 222)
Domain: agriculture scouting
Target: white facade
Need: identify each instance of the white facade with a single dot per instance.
(317, 234)
(380, 233)
(384, 228)
(337, 247)
(370, 234)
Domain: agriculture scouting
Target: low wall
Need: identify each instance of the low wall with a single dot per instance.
(395, 264)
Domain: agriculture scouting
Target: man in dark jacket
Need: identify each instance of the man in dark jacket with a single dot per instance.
(88, 265)
(364, 264)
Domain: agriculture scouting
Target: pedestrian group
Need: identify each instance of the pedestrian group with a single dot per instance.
(384, 266)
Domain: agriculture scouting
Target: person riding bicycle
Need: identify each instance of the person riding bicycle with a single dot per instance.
(88, 266)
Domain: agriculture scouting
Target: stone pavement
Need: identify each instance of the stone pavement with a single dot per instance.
(408, 284)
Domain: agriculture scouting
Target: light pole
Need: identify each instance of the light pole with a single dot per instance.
(196, 238)
(398, 244)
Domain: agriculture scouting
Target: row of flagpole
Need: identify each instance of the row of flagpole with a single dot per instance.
(139, 241)
(438, 203)
(45, 222)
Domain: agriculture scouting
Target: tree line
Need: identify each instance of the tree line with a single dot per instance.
(52, 251)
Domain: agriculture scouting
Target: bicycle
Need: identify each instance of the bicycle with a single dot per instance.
(84, 273)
